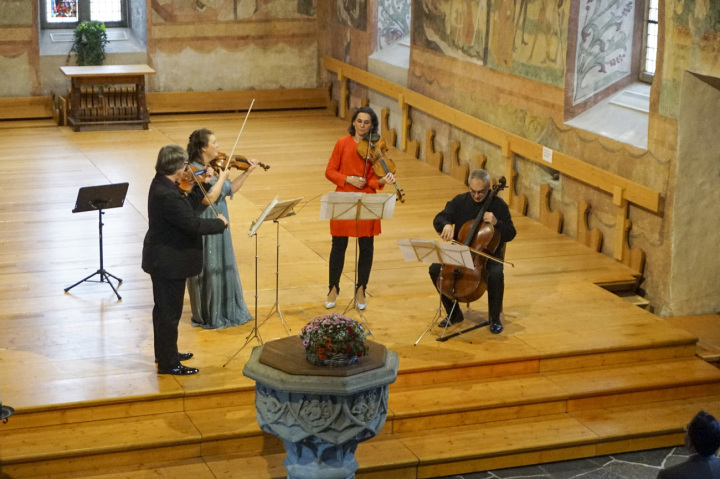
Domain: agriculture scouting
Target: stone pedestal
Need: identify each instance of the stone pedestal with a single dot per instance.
(320, 413)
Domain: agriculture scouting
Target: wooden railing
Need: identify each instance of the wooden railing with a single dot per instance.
(623, 191)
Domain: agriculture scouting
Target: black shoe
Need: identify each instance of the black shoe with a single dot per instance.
(181, 357)
(179, 370)
(448, 321)
(496, 326)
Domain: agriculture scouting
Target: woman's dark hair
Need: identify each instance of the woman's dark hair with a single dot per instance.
(373, 119)
(170, 159)
(198, 141)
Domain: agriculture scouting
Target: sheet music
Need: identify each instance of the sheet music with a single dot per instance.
(274, 210)
(433, 251)
(256, 224)
(338, 205)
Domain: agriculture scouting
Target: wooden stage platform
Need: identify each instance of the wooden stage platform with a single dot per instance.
(577, 372)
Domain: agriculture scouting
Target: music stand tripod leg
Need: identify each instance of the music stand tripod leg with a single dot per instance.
(104, 275)
(438, 315)
(255, 332)
(276, 307)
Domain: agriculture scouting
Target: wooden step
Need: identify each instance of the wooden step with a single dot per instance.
(616, 386)
(465, 449)
(223, 430)
(114, 442)
(473, 401)
(659, 424)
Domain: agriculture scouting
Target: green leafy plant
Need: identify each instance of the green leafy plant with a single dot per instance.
(332, 334)
(89, 43)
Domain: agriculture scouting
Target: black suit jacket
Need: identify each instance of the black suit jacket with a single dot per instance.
(173, 244)
(696, 467)
(463, 208)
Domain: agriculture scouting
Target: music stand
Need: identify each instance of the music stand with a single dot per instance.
(433, 251)
(100, 198)
(275, 211)
(338, 205)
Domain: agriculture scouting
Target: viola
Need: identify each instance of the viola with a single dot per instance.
(237, 161)
(381, 164)
(189, 177)
(466, 285)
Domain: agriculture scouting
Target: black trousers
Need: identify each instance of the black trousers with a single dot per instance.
(337, 260)
(168, 295)
(495, 290)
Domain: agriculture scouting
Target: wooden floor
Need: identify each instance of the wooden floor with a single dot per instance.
(577, 372)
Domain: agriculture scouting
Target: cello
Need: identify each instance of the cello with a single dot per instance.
(464, 284)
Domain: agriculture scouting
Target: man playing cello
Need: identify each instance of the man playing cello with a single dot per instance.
(461, 209)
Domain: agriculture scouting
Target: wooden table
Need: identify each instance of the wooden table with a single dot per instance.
(97, 103)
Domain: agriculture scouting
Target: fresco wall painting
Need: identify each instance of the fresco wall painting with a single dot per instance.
(604, 46)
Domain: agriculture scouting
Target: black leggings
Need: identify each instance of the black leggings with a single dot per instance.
(337, 260)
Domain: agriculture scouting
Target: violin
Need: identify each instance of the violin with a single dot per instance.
(466, 285)
(382, 165)
(189, 177)
(237, 161)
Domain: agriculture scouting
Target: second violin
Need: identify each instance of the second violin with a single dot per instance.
(382, 165)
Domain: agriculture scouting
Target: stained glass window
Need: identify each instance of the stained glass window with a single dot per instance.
(67, 13)
(62, 11)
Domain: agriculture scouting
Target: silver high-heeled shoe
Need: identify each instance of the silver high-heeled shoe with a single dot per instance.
(363, 305)
(331, 304)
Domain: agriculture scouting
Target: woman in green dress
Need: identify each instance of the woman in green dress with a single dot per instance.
(216, 293)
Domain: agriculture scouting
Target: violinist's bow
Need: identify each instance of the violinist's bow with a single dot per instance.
(240, 133)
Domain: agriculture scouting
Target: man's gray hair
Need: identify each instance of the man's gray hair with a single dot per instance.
(480, 174)
(170, 159)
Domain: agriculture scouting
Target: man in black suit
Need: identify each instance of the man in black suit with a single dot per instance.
(461, 209)
(172, 252)
(702, 438)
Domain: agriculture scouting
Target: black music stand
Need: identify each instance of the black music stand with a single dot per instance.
(100, 198)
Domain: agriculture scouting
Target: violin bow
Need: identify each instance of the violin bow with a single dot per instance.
(240, 133)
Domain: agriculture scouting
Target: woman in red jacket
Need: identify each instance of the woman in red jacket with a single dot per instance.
(349, 171)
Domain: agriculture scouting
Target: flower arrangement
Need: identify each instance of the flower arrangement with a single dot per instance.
(333, 340)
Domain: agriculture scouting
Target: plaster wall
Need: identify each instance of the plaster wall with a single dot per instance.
(695, 267)
(221, 69)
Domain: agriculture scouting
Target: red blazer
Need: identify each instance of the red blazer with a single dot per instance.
(345, 162)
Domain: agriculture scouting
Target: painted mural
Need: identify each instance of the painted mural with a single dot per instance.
(352, 13)
(393, 21)
(529, 38)
(457, 28)
(693, 31)
(228, 10)
(604, 45)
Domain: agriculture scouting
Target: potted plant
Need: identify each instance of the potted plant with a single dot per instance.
(89, 43)
(333, 340)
